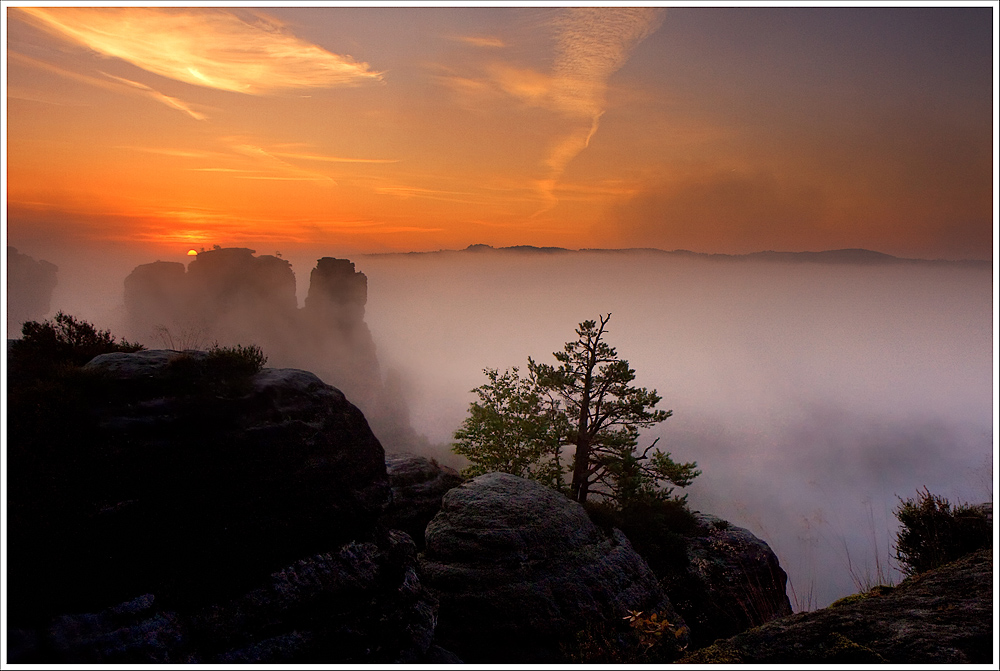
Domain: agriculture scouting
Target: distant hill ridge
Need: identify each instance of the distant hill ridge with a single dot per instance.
(865, 257)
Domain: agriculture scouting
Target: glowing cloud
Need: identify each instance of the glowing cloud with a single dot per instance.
(247, 53)
(127, 86)
(592, 43)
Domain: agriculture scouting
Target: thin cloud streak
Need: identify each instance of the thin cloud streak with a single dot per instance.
(116, 84)
(481, 41)
(292, 172)
(169, 101)
(212, 48)
(335, 159)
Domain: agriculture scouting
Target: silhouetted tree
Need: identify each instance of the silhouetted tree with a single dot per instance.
(586, 403)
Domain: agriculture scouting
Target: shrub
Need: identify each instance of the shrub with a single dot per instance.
(65, 340)
(639, 638)
(933, 533)
(237, 360)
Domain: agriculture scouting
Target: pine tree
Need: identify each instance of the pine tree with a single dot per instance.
(586, 403)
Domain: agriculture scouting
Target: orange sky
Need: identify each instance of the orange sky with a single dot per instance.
(382, 129)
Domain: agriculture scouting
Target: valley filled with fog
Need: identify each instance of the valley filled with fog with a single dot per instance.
(810, 394)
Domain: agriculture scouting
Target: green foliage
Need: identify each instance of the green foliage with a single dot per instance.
(586, 403)
(65, 340)
(933, 533)
(509, 430)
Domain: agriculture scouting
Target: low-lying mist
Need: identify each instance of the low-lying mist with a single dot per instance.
(810, 394)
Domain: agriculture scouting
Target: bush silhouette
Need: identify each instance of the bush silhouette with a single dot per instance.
(65, 340)
(933, 533)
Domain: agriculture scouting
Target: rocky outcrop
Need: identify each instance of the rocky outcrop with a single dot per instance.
(231, 296)
(944, 615)
(732, 582)
(225, 295)
(337, 293)
(521, 571)
(30, 283)
(359, 603)
(180, 478)
(418, 484)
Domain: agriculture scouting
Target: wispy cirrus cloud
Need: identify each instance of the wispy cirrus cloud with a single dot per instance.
(481, 41)
(169, 101)
(281, 170)
(333, 159)
(245, 52)
(590, 44)
(111, 82)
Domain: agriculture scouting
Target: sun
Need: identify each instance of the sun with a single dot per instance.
(192, 252)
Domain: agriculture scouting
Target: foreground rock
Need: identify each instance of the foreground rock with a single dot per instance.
(177, 477)
(360, 603)
(941, 616)
(733, 582)
(522, 573)
(418, 484)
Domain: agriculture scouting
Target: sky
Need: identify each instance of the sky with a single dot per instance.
(376, 129)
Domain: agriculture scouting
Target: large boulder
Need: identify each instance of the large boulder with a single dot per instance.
(942, 616)
(521, 573)
(732, 582)
(418, 484)
(180, 477)
(359, 603)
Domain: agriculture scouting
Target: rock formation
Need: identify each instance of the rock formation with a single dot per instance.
(944, 615)
(418, 486)
(232, 297)
(521, 571)
(228, 295)
(733, 582)
(359, 603)
(30, 284)
(170, 482)
(192, 512)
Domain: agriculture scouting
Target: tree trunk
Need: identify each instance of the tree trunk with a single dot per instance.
(582, 464)
(579, 487)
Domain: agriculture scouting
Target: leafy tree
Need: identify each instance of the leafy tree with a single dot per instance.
(588, 404)
(510, 430)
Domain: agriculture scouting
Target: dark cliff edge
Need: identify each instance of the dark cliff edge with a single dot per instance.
(944, 615)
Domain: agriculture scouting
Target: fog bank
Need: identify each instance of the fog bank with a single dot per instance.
(811, 395)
